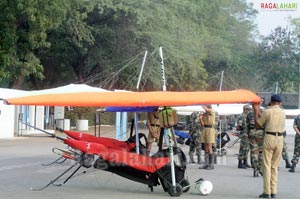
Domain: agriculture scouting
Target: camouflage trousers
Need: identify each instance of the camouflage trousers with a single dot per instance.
(296, 149)
(195, 145)
(244, 147)
(256, 138)
(285, 154)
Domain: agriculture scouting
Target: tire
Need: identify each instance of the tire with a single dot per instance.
(185, 184)
(177, 192)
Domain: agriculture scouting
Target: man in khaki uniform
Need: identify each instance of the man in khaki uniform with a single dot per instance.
(273, 121)
(208, 135)
(153, 124)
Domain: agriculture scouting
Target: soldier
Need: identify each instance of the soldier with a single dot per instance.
(285, 154)
(244, 143)
(195, 144)
(217, 126)
(296, 155)
(256, 137)
(208, 135)
(231, 121)
(273, 122)
(153, 124)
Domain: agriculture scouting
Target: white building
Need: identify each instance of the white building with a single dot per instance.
(13, 117)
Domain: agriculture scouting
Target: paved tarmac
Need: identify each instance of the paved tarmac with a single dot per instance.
(21, 169)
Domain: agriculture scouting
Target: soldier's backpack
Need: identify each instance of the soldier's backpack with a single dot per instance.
(168, 117)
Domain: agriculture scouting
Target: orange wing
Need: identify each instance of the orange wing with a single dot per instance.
(134, 99)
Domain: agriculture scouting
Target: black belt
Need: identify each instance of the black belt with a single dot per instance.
(155, 125)
(274, 133)
(208, 126)
(256, 128)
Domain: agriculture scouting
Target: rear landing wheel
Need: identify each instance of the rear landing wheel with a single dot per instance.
(175, 191)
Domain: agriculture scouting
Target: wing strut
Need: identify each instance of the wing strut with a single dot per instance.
(170, 131)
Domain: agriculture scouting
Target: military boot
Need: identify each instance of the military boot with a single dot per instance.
(206, 162)
(246, 164)
(241, 165)
(288, 164)
(255, 172)
(199, 160)
(260, 171)
(214, 158)
(211, 162)
(191, 154)
(292, 170)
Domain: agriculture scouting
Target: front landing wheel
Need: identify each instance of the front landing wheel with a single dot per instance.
(185, 184)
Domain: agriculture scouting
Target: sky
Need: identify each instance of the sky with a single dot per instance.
(268, 19)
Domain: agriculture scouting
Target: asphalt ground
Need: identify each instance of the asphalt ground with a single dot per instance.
(21, 168)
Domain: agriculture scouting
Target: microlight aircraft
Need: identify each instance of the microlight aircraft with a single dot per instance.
(166, 167)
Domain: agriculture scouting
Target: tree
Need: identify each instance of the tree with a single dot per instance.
(278, 60)
(66, 60)
(121, 31)
(102, 42)
(230, 43)
(24, 26)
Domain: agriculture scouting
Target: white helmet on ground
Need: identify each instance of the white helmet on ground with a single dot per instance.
(204, 187)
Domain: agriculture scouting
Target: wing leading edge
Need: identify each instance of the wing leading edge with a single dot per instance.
(142, 99)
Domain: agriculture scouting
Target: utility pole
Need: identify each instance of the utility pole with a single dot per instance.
(276, 87)
(137, 142)
(221, 83)
(141, 72)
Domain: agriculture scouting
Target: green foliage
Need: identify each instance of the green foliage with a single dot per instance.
(81, 113)
(24, 25)
(102, 42)
(89, 113)
(278, 58)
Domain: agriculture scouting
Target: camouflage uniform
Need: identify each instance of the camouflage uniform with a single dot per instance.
(285, 154)
(217, 127)
(244, 143)
(195, 144)
(231, 121)
(296, 144)
(256, 137)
